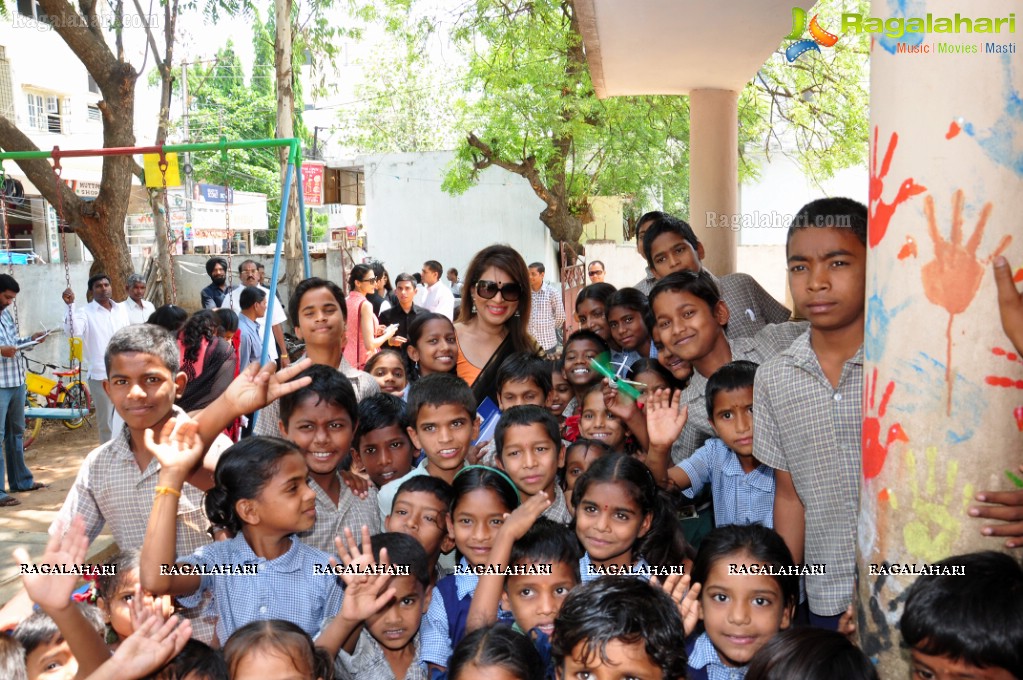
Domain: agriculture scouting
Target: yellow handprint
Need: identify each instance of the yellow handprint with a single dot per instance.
(934, 529)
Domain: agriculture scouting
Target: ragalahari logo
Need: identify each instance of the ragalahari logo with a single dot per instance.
(804, 45)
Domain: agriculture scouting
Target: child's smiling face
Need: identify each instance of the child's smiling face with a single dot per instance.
(323, 432)
(596, 422)
(578, 355)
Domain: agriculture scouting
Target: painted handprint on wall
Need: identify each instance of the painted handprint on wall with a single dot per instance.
(936, 509)
(875, 452)
(952, 278)
(881, 212)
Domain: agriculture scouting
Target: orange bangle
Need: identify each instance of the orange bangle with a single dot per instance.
(166, 490)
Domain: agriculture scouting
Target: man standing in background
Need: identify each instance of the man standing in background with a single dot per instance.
(136, 305)
(547, 313)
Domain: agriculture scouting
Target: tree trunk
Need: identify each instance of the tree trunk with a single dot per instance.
(283, 39)
(99, 223)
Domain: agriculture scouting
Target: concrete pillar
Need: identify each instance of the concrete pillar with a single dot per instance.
(946, 195)
(714, 173)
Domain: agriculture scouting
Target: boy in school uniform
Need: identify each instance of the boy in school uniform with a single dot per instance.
(809, 398)
(317, 308)
(420, 510)
(321, 419)
(387, 646)
(116, 484)
(670, 245)
(522, 379)
(530, 451)
(382, 446)
(442, 417)
(742, 487)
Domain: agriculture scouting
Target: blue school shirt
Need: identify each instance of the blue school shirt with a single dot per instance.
(287, 587)
(739, 497)
(641, 568)
(705, 663)
(441, 632)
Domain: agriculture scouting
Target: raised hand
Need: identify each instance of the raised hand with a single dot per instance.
(618, 403)
(52, 591)
(1010, 303)
(180, 448)
(154, 642)
(518, 522)
(664, 420)
(256, 387)
(365, 592)
(686, 598)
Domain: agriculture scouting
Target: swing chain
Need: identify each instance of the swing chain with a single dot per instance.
(72, 355)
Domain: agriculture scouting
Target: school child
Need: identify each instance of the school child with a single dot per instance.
(627, 309)
(482, 497)
(742, 487)
(388, 368)
(319, 312)
(582, 347)
(115, 592)
(671, 246)
(432, 346)
(116, 483)
(591, 309)
(320, 419)
(442, 422)
(579, 456)
(680, 369)
(495, 652)
(525, 540)
(966, 620)
(382, 446)
(420, 510)
(622, 522)
(62, 637)
(740, 611)
(261, 495)
(810, 402)
(523, 379)
(275, 649)
(810, 654)
(529, 450)
(651, 376)
(387, 647)
(561, 391)
(619, 626)
(597, 422)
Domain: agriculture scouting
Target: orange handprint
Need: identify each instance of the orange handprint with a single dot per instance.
(881, 212)
(875, 452)
(952, 279)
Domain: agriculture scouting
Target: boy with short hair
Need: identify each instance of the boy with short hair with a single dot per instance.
(387, 647)
(320, 419)
(809, 398)
(624, 626)
(382, 445)
(967, 622)
(670, 245)
(253, 308)
(442, 417)
(743, 488)
(580, 349)
(421, 510)
(529, 450)
(47, 652)
(523, 378)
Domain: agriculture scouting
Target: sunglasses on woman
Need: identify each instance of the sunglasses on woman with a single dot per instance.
(488, 289)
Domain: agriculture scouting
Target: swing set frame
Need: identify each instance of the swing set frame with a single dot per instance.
(294, 166)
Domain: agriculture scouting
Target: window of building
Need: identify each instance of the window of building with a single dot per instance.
(47, 112)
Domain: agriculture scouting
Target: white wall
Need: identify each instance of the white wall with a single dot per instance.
(409, 219)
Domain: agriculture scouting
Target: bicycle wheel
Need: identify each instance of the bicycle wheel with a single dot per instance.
(32, 425)
(76, 396)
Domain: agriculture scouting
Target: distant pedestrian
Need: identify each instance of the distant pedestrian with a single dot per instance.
(136, 305)
(212, 296)
(439, 298)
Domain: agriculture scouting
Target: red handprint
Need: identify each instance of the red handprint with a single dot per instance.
(1003, 380)
(874, 452)
(952, 278)
(881, 212)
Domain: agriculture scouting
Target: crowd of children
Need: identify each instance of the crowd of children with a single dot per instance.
(649, 525)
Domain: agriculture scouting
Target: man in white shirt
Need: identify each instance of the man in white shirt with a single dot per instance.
(455, 282)
(136, 305)
(248, 274)
(439, 297)
(95, 324)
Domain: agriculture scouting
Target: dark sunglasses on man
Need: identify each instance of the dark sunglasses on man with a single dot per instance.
(595, 272)
(489, 289)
